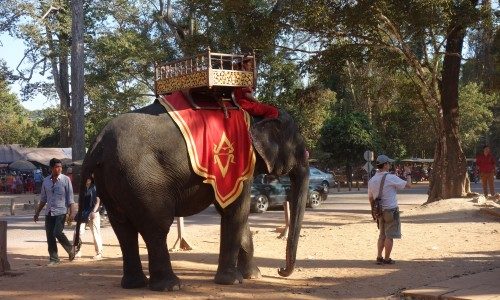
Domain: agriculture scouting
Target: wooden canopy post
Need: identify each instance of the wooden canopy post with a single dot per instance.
(286, 208)
(181, 243)
(4, 263)
(12, 207)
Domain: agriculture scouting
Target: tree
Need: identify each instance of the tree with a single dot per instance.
(347, 136)
(126, 40)
(494, 137)
(45, 29)
(449, 176)
(482, 68)
(310, 107)
(77, 80)
(15, 128)
(421, 38)
(476, 115)
(47, 120)
(391, 102)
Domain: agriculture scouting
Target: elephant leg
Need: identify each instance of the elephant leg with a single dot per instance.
(161, 275)
(246, 263)
(133, 276)
(233, 223)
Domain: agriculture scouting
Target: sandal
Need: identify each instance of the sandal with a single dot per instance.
(388, 261)
(380, 260)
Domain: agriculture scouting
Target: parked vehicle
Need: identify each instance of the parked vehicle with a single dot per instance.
(473, 174)
(269, 191)
(317, 177)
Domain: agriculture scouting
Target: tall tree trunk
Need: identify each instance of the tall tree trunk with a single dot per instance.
(486, 62)
(59, 69)
(450, 165)
(77, 80)
(65, 99)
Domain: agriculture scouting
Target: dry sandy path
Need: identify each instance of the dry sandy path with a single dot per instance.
(335, 258)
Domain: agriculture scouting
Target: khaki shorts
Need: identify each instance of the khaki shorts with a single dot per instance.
(390, 224)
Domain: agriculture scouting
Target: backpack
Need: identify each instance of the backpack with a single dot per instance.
(377, 211)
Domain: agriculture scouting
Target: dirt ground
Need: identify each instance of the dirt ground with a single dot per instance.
(335, 259)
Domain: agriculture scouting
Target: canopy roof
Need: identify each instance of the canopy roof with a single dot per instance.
(22, 165)
(418, 160)
(428, 160)
(44, 155)
(12, 153)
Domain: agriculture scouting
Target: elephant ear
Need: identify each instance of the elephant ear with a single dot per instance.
(266, 137)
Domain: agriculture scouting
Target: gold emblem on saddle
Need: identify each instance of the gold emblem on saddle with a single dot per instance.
(224, 152)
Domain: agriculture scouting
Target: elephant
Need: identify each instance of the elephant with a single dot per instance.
(142, 173)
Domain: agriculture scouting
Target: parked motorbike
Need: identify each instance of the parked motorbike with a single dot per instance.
(473, 176)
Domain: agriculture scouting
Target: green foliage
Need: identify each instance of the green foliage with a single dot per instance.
(476, 115)
(15, 127)
(310, 107)
(230, 25)
(323, 61)
(280, 84)
(347, 136)
(47, 121)
(120, 58)
(120, 73)
(278, 78)
(406, 130)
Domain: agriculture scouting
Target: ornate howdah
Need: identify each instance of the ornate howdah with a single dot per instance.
(205, 70)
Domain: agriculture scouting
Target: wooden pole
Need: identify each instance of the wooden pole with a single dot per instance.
(12, 206)
(286, 208)
(181, 243)
(4, 263)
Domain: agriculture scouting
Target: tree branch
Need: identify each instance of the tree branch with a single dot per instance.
(50, 10)
(179, 31)
(408, 54)
(295, 49)
(33, 67)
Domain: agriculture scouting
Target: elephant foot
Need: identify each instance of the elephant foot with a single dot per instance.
(134, 281)
(250, 272)
(228, 277)
(169, 284)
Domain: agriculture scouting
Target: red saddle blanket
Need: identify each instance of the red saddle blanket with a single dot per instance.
(220, 149)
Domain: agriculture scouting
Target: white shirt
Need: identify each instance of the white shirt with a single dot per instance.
(391, 185)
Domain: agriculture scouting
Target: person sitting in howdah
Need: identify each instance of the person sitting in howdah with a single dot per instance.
(246, 100)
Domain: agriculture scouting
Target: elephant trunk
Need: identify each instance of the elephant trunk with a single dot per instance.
(299, 177)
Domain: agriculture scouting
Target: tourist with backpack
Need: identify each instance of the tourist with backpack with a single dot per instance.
(382, 191)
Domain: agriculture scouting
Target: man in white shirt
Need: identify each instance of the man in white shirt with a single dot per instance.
(389, 223)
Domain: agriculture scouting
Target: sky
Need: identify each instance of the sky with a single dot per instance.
(12, 51)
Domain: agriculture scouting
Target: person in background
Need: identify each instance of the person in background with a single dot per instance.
(406, 170)
(19, 184)
(485, 162)
(30, 184)
(57, 194)
(389, 223)
(69, 173)
(38, 177)
(90, 216)
(9, 183)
